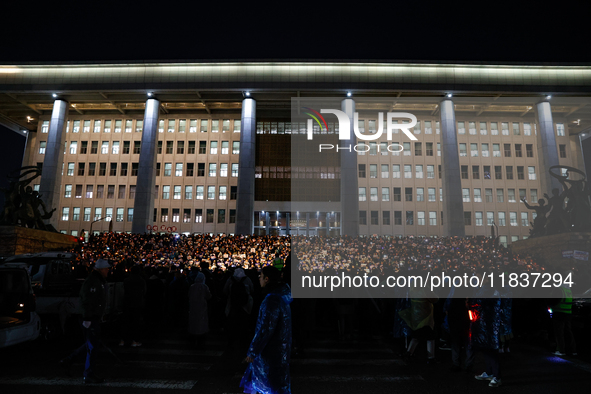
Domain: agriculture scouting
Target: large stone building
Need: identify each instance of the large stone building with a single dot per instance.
(205, 147)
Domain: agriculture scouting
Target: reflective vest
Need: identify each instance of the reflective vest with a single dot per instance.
(566, 304)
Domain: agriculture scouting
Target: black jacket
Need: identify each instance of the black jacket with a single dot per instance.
(93, 296)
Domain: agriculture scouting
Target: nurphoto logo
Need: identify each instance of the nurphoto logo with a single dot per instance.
(345, 128)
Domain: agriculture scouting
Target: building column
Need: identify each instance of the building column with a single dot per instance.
(51, 176)
(143, 209)
(246, 161)
(349, 181)
(287, 226)
(547, 152)
(453, 206)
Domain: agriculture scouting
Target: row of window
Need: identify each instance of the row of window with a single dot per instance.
(213, 125)
(177, 192)
(214, 147)
(180, 169)
(197, 216)
(496, 152)
(420, 174)
(431, 194)
(421, 218)
(484, 128)
(170, 125)
(164, 215)
(509, 175)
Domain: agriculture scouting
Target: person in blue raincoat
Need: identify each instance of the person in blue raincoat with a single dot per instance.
(485, 327)
(270, 350)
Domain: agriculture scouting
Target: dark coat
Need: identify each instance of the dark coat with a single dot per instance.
(135, 290)
(93, 296)
(486, 328)
(198, 295)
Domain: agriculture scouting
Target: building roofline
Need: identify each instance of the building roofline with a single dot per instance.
(393, 62)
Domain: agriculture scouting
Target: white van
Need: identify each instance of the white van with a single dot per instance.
(18, 320)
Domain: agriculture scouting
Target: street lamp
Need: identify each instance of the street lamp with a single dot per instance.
(492, 230)
(90, 231)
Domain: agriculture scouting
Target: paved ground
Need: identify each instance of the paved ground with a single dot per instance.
(168, 363)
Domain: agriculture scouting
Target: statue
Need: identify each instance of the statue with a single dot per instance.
(539, 223)
(569, 210)
(558, 220)
(22, 203)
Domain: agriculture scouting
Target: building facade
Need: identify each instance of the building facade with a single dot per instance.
(199, 186)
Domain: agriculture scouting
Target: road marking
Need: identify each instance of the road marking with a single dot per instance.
(349, 378)
(342, 362)
(169, 365)
(182, 342)
(368, 379)
(144, 384)
(348, 350)
(170, 352)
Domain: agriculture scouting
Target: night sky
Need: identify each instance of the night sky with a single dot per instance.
(76, 31)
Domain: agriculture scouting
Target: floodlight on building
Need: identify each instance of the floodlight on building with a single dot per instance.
(449, 95)
(548, 97)
(247, 94)
(54, 95)
(349, 94)
(150, 94)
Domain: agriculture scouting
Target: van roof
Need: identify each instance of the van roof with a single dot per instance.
(39, 258)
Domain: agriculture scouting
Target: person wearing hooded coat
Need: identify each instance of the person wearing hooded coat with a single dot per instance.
(199, 294)
(270, 350)
(237, 325)
(485, 327)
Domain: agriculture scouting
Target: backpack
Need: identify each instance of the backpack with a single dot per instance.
(238, 293)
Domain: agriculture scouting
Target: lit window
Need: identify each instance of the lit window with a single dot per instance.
(362, 195)
(532, 172)
(223, 169)
(373, 193)
(466, 195)
(560, 130)
(421, 218)
(193, 126)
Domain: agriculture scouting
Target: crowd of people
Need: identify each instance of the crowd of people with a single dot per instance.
(203, 282)
(378, 255)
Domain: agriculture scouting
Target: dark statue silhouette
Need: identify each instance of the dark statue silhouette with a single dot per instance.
(23, 205)
(569, 210)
